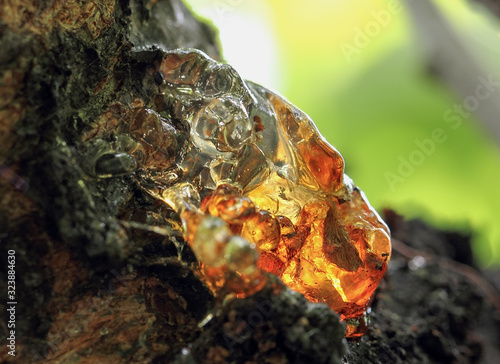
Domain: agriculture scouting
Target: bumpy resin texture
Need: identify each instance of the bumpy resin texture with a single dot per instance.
(257, 187)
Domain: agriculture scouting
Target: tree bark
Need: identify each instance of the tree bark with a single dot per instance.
(98, 281)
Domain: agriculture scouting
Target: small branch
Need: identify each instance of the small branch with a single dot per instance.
(458, 268)
(450, 58)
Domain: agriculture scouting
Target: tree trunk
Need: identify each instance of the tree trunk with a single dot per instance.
(98, 281)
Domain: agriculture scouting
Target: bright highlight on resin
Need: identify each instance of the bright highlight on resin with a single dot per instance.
(257, 188)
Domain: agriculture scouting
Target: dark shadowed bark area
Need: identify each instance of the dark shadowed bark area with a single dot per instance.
(101, 278)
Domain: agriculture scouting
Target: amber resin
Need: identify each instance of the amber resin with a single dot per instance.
(257, 187)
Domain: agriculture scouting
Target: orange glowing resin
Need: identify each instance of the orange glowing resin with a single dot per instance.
(258, 189)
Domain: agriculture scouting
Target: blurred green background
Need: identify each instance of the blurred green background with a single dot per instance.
(372, 98)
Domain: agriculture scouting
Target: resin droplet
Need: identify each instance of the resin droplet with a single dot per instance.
(258, 189)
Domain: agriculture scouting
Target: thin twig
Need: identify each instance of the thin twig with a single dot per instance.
(459, 268)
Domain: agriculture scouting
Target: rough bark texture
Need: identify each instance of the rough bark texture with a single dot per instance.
(96, 282)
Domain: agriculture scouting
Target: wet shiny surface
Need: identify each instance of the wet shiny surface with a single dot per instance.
(258, 189)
